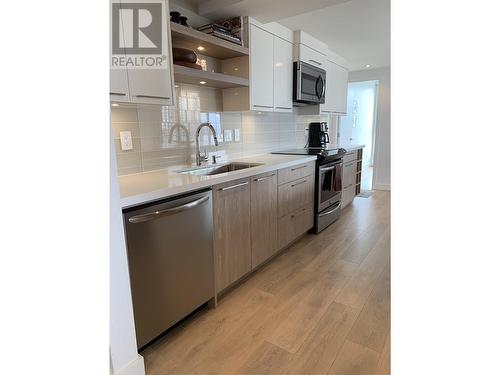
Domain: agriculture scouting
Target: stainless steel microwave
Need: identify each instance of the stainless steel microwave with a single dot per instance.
(309, 84)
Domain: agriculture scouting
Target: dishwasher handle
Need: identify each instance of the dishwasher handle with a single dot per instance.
(169, 211)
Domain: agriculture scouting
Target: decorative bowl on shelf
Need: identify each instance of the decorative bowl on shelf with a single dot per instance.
(184, 54)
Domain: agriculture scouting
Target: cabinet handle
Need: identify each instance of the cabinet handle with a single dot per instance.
(349, 164)
(233, 186)
(299, 183)
(315, 62)
(263, 106)
(152, 97)
(283, 107)
(295, 169)
(117, 93)
(264, 178)
(348, 186)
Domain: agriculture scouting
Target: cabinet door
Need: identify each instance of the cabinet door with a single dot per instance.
(311, 56)
(232, 248)
(336, 90)
(118, 85)
(154, 86)
(150, 86)
(283, 75)
(264, 202)
(118, 78)
(261, 69)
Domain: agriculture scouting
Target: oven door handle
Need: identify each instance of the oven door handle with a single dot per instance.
(331, 211)
(330, 168)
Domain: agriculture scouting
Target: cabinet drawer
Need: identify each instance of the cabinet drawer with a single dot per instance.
(294, 225)
(348, 194)
(350, 156)
(295, 194)
(295, 172)
(349, 173)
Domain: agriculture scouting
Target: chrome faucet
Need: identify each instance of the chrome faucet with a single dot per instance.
(199, 157)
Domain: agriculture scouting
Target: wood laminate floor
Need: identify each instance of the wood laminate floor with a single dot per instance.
(321, 307)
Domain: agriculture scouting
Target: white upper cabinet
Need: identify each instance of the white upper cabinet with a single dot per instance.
(118, 87)
(146, 86)
(315, 52)
(150, 86)
(283, 75)
(261, 69)
(311, 56)
(336, 89)
(309, 50)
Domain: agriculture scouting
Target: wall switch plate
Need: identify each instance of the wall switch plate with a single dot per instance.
(126, 140)
(236, 135)
(228, 135)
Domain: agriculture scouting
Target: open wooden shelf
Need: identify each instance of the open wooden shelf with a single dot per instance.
(186, 37)
(183, 74)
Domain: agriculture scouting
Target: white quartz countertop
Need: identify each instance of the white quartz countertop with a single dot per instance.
(140, 188)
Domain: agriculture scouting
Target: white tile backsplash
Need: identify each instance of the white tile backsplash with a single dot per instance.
(165, 136)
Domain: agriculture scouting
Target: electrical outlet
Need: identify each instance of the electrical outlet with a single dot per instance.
(126, 140)
(236, 135)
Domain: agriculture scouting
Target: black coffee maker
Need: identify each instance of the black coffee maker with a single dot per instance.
(318, 134)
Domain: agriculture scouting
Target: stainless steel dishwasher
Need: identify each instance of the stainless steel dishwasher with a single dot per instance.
(170, 256)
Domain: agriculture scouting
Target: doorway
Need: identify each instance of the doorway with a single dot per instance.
(358, 126)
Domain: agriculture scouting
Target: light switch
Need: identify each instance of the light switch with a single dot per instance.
(126, 140)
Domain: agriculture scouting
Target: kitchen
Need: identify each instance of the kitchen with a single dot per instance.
(217, 187)
(228, 165)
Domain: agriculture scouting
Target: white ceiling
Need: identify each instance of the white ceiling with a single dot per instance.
(358, 30)
(263, 10)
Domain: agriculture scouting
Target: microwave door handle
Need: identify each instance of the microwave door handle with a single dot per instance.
(318, 93)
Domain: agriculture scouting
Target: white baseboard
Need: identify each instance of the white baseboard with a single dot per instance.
(135, 367)
(381, 187)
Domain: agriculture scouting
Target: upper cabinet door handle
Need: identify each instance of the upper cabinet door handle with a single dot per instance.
(152, 97)
(117, 93)
(315, 62)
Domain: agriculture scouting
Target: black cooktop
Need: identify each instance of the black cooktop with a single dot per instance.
(322, 153)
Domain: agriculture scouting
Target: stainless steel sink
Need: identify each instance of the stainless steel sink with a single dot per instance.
(217, 169)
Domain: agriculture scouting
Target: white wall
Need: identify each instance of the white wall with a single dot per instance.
(123, 348)
(382, 156)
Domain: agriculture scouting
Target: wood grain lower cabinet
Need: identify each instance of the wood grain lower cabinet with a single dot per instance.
(264, 217)
(232, 220)
(295, 194)
(295, 224)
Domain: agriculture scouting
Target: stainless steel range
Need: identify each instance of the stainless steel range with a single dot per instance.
(328, 187)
